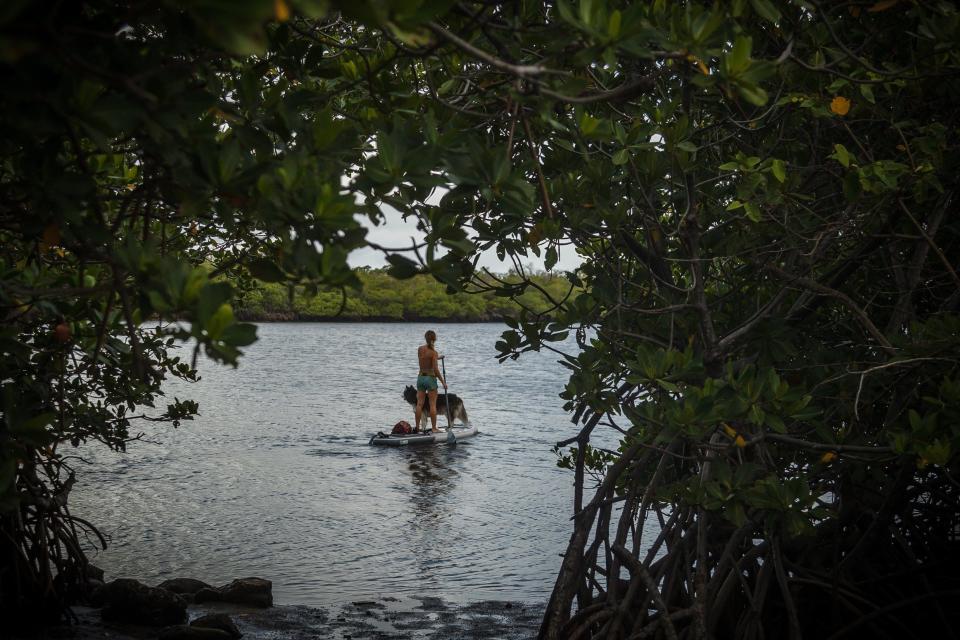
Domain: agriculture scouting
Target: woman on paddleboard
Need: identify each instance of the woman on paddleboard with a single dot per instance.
(429, 362)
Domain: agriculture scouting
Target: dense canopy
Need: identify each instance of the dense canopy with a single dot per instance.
(761, 194)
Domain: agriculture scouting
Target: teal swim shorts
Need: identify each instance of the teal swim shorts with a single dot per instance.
(426, 383)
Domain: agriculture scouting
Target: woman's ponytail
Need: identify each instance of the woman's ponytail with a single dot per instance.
(431, 337)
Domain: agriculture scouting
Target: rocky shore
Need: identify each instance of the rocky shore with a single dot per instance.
(189, 609)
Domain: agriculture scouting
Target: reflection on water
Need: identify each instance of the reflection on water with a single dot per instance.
(275, 478)
(432, 476)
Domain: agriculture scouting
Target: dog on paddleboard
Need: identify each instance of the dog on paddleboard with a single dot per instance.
(457, 410)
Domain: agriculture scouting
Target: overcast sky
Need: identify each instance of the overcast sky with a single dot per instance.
(397, 233)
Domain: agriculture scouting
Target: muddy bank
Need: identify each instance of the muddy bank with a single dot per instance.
(421, 618)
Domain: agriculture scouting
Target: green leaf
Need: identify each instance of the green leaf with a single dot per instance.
(447, 86)
(212, 297)
(219, 321)
(240, 334)
(326, 128)
(915, 421)
(158, 301)
(736, 514)
(621, 157)
(586, 12)
(738, 60)
(841, 155)
(566, 13)
(402, 267)
(766, 10)
(613, 24)
(776, 423)
(588, 124)
(754, 94)
(937, 452)
(265, 270)
(550, 260)
(669, 386)
(779, 169)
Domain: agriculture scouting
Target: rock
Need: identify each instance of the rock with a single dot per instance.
(186, 588)
(208, 594)
(185, 632)
(181, 586)
(127, 600)
(219, 621)
(95, 594)
(253, 592)
(93, 572)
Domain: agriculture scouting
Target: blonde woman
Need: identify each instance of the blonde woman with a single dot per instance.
(429, 362)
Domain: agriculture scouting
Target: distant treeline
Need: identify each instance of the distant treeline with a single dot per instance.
(384, 298)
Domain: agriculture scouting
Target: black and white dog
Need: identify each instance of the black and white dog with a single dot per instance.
(457, 410)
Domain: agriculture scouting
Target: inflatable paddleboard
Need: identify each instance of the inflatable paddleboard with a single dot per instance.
(451, 436)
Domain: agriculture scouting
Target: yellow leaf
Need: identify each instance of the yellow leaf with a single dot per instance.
(730, 431)
(703, 68)
(281, 10)
(740, 442)
(840, 105)
(922, 462)
(828, 457)
(883, 5)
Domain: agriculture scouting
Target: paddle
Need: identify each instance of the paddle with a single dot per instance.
(451, 438)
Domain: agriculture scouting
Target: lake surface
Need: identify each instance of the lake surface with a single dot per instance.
(275, 477)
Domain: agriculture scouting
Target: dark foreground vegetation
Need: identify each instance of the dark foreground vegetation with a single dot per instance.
(763, 193)
(384, 298)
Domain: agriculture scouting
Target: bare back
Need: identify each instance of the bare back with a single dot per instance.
(428, 360)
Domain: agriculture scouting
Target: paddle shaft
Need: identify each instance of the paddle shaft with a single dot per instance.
(446, 405)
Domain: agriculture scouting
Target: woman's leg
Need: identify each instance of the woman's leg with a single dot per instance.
(433, 409)
(418, 411)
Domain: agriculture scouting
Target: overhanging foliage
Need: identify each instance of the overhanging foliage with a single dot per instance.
(761, 193)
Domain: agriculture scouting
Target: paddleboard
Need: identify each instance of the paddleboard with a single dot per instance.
(442, 437)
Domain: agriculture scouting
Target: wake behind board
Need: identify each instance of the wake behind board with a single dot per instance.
(441, 437)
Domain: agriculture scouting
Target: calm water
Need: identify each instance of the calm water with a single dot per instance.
(275, 478)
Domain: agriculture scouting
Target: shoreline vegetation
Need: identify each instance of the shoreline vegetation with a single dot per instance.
(385, 299)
